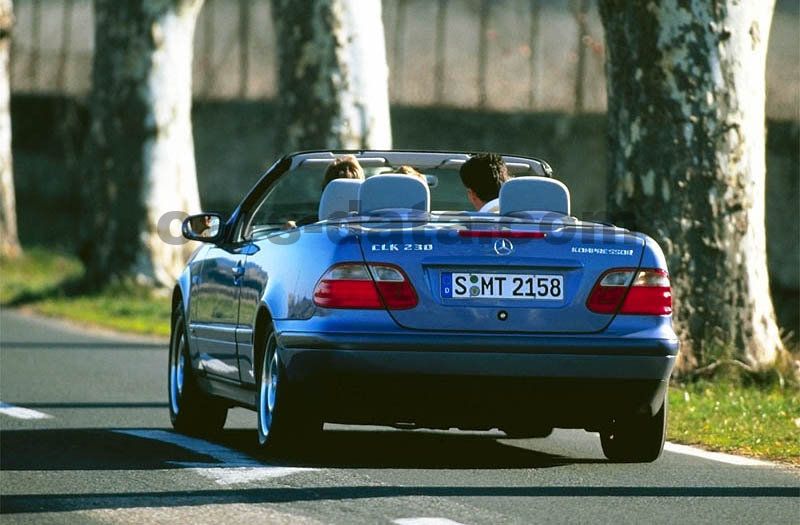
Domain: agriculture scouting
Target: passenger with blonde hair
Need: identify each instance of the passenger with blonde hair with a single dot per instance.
(408, 170)
(345, 167)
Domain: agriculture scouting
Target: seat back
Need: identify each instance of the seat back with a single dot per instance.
(534, 194)
(339, 198)
(396, 192)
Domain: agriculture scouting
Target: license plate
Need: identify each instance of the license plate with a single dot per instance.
(502, 286)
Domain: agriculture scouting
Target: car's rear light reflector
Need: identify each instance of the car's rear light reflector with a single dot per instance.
(497, 234)
(354, 285)
(633, 292)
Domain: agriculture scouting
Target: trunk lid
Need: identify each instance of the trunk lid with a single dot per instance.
(434, 254)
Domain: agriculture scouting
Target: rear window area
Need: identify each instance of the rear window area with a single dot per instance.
(296, 195)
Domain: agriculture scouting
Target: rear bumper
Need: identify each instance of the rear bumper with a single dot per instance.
(310, 364)
(478, 381)
(590, 356)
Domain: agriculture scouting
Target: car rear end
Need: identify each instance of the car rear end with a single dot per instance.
(480, 322)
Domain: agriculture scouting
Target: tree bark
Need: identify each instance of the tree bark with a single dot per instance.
(686, 94)
(140, 152)
(9, 241)
(333, 86)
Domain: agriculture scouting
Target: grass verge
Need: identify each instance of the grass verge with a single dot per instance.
(40, 280)
(731, 415)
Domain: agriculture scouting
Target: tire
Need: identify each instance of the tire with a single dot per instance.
(191, 410)
(636, 439)
(285, 419)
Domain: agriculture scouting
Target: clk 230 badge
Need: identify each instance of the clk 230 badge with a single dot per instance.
(396, 247)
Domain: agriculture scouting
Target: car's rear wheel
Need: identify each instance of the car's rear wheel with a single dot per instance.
(636, 438)
(191, 410)
(285, 418)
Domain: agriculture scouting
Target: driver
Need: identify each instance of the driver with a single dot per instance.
(344, 167)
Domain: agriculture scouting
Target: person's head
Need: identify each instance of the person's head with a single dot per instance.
(408, 170)
(482, 176)
(346, 167)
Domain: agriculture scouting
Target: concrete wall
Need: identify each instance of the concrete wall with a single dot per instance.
(532, 49)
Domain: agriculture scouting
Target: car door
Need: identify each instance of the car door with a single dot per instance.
(270, 226)
(254, 282)
(215, 310)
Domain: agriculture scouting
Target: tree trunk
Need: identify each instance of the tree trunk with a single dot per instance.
(333, 75)
(9, 242)
(686, 94)
(140, 153)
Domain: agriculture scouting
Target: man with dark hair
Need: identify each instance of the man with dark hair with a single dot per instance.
(482, 175)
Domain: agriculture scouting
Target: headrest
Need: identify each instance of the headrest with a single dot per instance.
(339, 198)
(404, 192)
(534, 194)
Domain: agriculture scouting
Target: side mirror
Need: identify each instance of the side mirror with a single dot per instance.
(205, 227)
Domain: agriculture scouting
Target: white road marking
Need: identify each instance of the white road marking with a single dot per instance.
(207, 513)
(426, 521)
(716, 456)
(22, 413)
(233, 467)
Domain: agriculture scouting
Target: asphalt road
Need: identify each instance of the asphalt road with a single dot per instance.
(85, 438)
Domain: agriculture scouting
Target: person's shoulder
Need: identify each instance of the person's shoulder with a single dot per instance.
(493, 206)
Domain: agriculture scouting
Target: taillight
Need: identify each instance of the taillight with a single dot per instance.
(640, 292)
(650, 294)
(394, 287)
(610, 290)
(347, 286)
(356, 285)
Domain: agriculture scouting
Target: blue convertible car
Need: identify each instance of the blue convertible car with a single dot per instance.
(384, 302)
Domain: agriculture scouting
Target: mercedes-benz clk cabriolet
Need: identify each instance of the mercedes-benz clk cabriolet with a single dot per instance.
(385, 302)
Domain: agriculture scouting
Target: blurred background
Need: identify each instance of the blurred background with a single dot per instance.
(516, 76)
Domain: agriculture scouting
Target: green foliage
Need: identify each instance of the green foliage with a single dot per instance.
(751, 416)
(48, 283)
(35, 274)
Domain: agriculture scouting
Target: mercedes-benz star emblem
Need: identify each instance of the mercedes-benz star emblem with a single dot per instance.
(503, 247)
